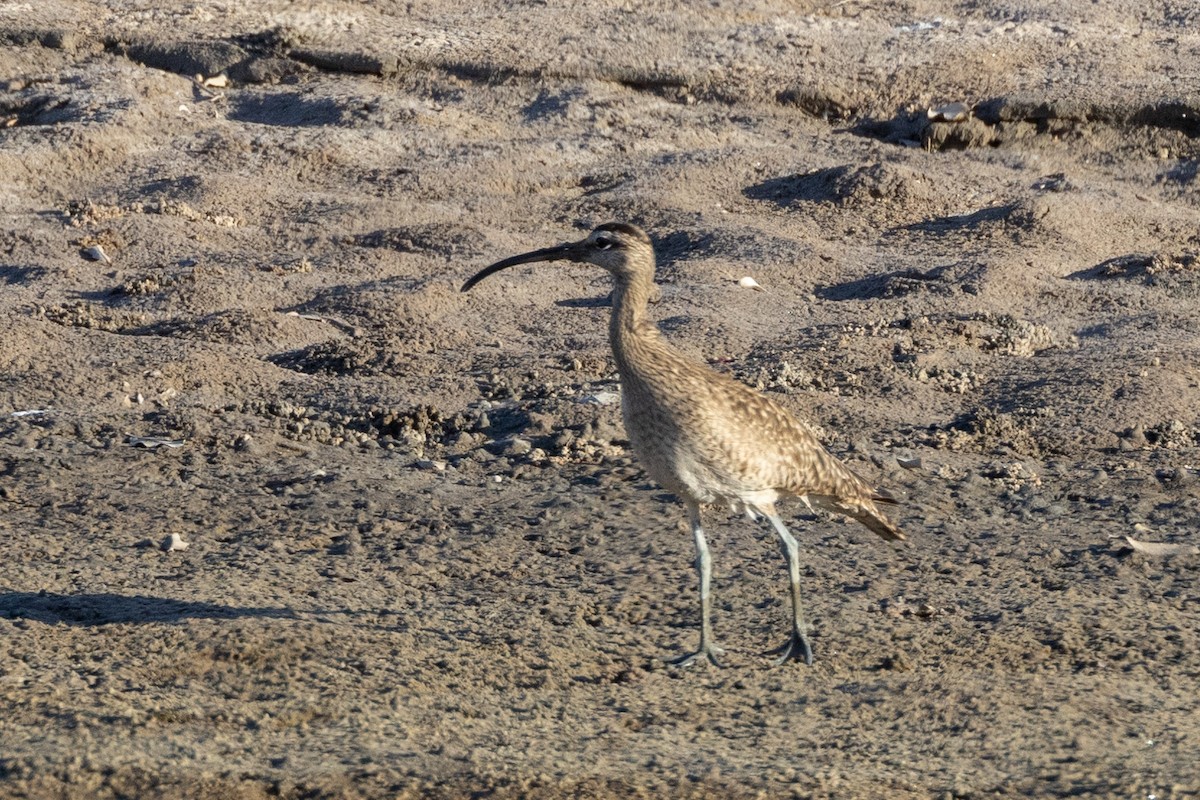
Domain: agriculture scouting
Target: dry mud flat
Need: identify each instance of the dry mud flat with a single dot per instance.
(422, 562)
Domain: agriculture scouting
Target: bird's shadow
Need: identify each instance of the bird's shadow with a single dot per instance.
(105, 608)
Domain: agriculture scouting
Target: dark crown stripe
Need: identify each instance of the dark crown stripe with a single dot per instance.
(625, 229)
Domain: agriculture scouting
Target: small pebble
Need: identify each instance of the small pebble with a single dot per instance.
(1137, 435)
(518, 447)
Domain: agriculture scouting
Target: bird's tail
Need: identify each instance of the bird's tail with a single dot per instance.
(869, 514)
(863, 509)
(855, 498)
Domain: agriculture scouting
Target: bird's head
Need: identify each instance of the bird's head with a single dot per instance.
(621, 249)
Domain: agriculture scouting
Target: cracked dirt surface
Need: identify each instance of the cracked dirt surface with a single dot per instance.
(422, 561)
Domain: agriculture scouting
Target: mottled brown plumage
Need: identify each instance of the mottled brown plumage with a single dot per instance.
(704, 436)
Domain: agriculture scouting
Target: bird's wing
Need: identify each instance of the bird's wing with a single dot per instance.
(774, 448)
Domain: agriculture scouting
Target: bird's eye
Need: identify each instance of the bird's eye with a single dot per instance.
(603, 244)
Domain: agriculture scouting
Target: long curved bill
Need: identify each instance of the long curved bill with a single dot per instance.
(563, 252)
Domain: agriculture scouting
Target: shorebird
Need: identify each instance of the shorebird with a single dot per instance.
(705, 437)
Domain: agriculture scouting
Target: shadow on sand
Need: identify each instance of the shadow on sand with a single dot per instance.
(105, 609)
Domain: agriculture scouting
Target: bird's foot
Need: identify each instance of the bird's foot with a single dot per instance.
(708, 651)
(797, 649)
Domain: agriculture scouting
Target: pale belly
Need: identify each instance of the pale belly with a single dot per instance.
(675, 464)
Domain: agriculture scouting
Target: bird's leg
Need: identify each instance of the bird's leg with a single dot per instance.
(704, 571)
(797, 646)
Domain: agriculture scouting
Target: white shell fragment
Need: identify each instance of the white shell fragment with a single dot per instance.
(910, 463)
(207, 88)
(950, 112)
(600, 398)
(96, 253)
(173, 542)
(150, 442)
(1162, 548)
(31, 412)
(749, 283)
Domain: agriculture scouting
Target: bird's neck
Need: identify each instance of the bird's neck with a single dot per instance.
(630, 329)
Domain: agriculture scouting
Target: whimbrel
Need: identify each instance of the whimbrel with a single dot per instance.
(705, 437)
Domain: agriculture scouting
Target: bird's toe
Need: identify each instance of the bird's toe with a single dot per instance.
(711, 653)
(797, 648)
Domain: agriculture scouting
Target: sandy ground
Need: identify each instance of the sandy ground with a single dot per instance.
(422, 561)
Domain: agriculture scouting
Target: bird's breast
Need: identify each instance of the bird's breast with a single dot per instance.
(685, 451)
